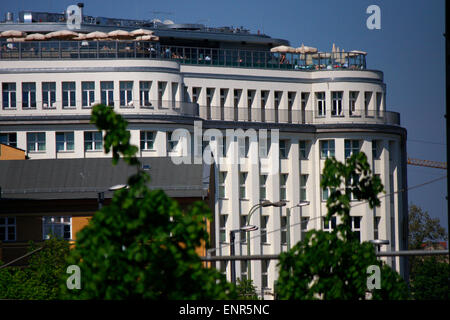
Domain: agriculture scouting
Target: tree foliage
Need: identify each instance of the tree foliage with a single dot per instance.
(423, 229)
(334, 265)
(246, 290)
(142, 245)
(41, 278)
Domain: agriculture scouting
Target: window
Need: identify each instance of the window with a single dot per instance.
(376, 149)
(9, 95)
(29, 95)
(264, 146)
(7, 229)
(303, 182)
(264, 222)
(60, 227)
(367, 98)
(244, 146)
(325, 192)
(305, 98)
(351, 147)
(264, 273)
(195, 94)
(349, 189)
(223, 267)
(222, 179)
(244, 269)
(161, 91)
(327, 226)
(237, 93)
(9, 139)
(171, 144)
(283, 224)
(379, 99)
(144, 93)
(264, 96)
(107, 93)
(262, 186)
(223, 97)
(320, 104)
(356, 227)
(336, 103)
(302, 146)
(326, 149)
(283, 182)
(242, 182)
(64, 141)
(276, 101)
(222, 227)
(250, 97)
(304, 226)
(48, 95)
(353, 96)
(68, 94)
(291, 99)
(87, 93)
(35, 141)
(147, 140)
(376, 225)
(93, 141)
(126, 93)
(243, 222)
(284, 149)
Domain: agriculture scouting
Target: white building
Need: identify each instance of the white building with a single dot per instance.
(48, 89)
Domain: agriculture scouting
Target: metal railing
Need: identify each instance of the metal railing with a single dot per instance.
(40, 50)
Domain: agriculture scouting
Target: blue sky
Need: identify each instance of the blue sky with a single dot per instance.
(409, 49)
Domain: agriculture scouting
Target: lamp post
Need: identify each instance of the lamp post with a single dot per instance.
(288, 221)
(378, 243)
(101, 194)
(247, 228)
(252, 210)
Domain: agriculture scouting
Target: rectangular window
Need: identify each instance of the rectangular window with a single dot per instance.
(262, 186)
(264, 146)
(277, 99)
(264, 96)
(171, 143)
(336, 104)
(302, 148)
(244, 146)
(367, 98)
(243, 223)
(320, 104)
(195, 94)
(356, 227)
(291, 99)
(223, 267)
(376, 225)
(304, 226)
(305, 98)
(9, 95)
(303, 182)
(222, 227)
(379, 99)
(144, 93)
(35, 141)
(349, 189)
(327, 149)
(351, 147)
(64, 141)
(237, 93)
(376, 149)
(68, 94)
(48, 95)
(9, 138)
(264, 222)
(284, 148)
(147, 140)
(87, 93)
(29, 95)
(60, 227)
(329, 226)
(222, 179)
(353, 96)
(325, 192)
(93, 141)
(7, 229)
(161, 91)
(126, 93)
(283, 225)
(264, 273)
(244, 269)
(242, 184)
(283, 183)
(107, 93)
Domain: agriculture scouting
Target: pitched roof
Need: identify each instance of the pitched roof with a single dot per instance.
(84, 178)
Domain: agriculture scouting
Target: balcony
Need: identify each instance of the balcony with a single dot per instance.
(233, 58)
(298, 116)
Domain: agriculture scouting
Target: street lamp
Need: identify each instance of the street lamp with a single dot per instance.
(101, 194)
(247, 228)
(263, 204)
(378, 243)
(288, 223)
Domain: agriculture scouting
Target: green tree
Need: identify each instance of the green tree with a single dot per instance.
(41, 278)
(142, 245)
(429, 276)
(246, 290)
(334, 265)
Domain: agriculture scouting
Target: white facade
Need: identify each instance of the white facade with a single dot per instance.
(228, 98)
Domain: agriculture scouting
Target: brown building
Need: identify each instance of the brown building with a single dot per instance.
(8, 152)
(59, 196)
